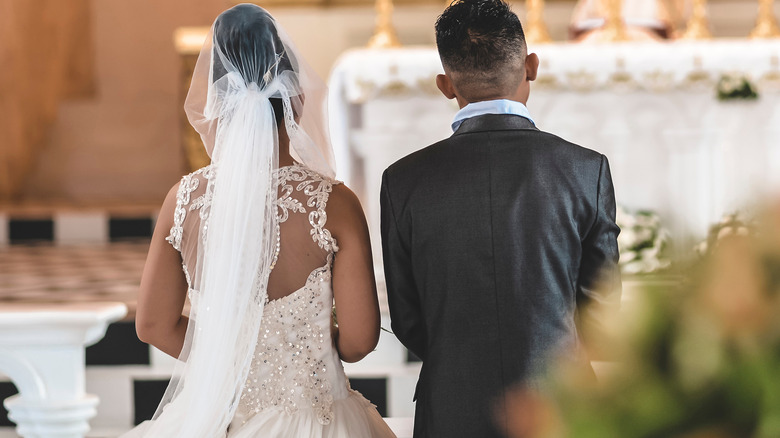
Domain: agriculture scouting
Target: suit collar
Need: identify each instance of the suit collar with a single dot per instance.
(494, 122)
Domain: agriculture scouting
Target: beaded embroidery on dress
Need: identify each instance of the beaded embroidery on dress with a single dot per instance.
(296, 385)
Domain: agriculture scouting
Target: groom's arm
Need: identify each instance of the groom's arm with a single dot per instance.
(598, 294)
(402, 295)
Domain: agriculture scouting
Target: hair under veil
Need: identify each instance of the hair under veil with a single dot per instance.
(246, 63)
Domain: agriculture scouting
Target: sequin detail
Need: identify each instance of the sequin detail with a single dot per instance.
(286, 372)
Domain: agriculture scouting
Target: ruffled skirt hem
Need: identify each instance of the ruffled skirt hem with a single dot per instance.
(353, 417)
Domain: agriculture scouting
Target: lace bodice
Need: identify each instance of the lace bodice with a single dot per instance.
(295, 365)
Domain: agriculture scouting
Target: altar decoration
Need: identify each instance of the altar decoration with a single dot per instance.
(620, 20)
(361, 75)
(699, 359)
(535, 28)
(698, 26)
(384, 35)
(641, 242)
(766, 25)
(735, 86)
(614, 29)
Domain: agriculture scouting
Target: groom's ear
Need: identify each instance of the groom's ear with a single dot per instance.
(445, 86)
(531, 66)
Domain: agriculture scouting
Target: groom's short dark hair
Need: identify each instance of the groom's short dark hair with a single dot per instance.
(480, 41)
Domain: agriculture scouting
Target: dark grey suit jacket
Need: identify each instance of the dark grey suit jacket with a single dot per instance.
(494, 240)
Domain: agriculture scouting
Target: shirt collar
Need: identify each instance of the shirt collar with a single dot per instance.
(499, 106)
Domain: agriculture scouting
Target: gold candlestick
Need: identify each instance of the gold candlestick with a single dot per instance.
(698, 26)
(766, 25)
(614, 28)
(537, 30)
(384, 35)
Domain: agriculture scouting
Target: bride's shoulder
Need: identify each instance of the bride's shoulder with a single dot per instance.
(344, 209)
(188, 185)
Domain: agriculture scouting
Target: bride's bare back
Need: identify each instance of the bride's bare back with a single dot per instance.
(319, 218)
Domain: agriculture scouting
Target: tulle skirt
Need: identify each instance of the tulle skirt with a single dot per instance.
(353, 417)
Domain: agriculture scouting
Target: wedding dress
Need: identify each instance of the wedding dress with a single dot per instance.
(296, 385)
(258, 358)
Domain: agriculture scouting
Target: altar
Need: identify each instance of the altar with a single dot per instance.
(651, 108)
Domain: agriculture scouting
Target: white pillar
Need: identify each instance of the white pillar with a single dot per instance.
(42, 352)
(4, 230)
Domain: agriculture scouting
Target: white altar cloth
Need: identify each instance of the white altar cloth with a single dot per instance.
(42, 352)
(650, 107)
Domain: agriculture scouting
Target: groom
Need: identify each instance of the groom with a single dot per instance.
(497, 239)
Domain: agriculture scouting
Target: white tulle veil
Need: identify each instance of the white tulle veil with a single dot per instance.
(248, 66)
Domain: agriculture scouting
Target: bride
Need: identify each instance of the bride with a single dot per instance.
(262, 241)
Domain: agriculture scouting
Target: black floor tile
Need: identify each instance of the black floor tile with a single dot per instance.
(146, 396)
(129, 228)
(375, 390)
(24, 230)
(120, 346)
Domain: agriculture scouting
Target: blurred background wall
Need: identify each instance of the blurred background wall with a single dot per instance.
(118, 142)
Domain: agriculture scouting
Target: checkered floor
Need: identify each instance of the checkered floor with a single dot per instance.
(47, 273)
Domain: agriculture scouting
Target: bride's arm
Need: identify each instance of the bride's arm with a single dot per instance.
(354, 286)
(159, 320)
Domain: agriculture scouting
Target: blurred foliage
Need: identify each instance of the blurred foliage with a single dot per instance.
(697, 358)
(642, 242)
(735, 86)
(737, 223)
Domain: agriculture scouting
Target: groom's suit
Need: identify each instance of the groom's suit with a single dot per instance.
(494, 240)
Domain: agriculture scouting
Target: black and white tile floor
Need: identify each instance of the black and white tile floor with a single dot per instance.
(96, 257)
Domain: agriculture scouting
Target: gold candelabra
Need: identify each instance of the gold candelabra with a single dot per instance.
(536, 31)
(384, 35)
(614, 27)
(766, 24)
(698, 27)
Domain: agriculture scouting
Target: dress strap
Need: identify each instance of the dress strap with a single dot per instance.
(187, 185)
(317, 189)
(318, 218)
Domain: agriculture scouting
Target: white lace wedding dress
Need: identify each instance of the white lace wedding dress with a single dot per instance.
(296, 385)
